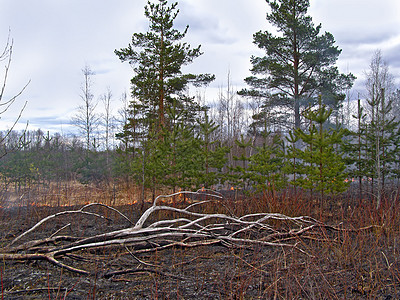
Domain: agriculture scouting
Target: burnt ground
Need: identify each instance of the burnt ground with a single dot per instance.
(347, 265)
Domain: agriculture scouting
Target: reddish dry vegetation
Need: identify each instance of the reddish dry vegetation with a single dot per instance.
(348, 250)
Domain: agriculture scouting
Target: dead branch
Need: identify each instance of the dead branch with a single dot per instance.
(188, 229)
(80, 211)
(108, 207)
(142, 270)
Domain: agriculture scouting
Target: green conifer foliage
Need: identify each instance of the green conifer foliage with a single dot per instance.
(179, 152)
(159, 133)
(157, 58)
(266, 166)
(298, 63)
(292, 163)
(355, 147)
(322, 167)
(213, 155)
(240, 176)
(381, 137)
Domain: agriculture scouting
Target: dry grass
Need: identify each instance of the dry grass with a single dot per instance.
(356, 261)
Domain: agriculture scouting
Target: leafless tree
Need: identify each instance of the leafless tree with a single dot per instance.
(86, 118)
(378, 78)
(231, 111)
(231, 116)
(123, 112)
(380, 87)
(107, 117)
(396, 104)
(5, 104)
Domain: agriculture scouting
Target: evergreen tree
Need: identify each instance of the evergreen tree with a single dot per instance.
(157, 57)
(132, 152)
(213, 154)
(266, 166)
(240, 175)
(382, 127)
(179, 153)
(322, 167)
(355, 147)
(382, 140)
(292, 163)
(299, 62)
(188, 155)
(159, 86)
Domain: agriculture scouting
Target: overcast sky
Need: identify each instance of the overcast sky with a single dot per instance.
(55, 39)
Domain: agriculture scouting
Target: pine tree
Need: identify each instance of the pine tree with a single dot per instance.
(266, 166)
(382, 126)
(322, 167)
(179, 152)
(239, 175)
(299, 62)
(157, 57)
(355, 147)
(158, 87)
(133, 150)
(292, 163)
(382, 138)
(213, 154)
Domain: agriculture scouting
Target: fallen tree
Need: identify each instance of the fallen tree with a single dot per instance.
(188, 227)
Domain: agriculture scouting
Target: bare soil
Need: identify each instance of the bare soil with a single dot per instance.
(352, 264)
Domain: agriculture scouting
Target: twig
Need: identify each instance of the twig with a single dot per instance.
(62, 228)
(109, 207)
(142, 270)
(30, 291)
(52, 217)
(251, 266)
(140, 261)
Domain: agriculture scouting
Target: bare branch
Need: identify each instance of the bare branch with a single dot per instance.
(6, 55)
(52, 217)
(186, 230)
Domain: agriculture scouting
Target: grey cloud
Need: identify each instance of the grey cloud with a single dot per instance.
(392, 56)
(50, 121)
(364, 37)
(210, 29)
(53, 40)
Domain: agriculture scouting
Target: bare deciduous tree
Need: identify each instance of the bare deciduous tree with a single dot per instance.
(86, 118)
(380, 87)
(395, 97)
(378, 78)
(107, 118)
(5, 104)
(230, 116)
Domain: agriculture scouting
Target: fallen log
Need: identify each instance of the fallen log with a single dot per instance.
(189, 229)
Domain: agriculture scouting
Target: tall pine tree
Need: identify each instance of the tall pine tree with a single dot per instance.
(157, 58)
(158, 88)
(299, 62)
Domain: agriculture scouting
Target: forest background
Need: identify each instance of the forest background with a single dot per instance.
(294, 127)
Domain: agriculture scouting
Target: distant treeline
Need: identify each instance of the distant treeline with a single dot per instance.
(323, 157)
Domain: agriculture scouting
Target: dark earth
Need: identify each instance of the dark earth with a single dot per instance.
(359, 264)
